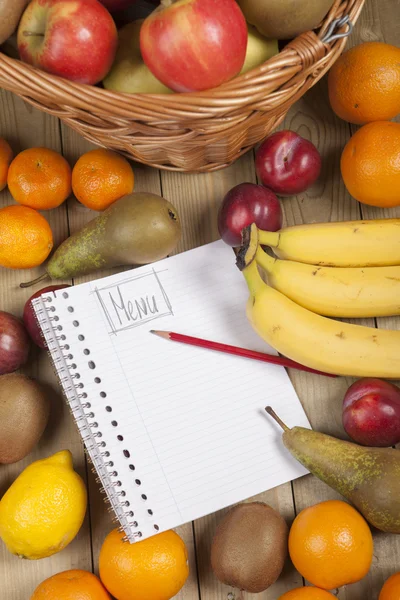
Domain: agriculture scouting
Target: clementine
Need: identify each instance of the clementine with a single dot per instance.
(391, 588)
(6, 156)
(154, 569)
(370, 164)
(100, 177)
(364, 83)
(307, 593)
(25, 237)
(71, 585)
(331, 545)
(39, 178)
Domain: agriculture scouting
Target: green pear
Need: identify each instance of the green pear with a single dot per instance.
(129, 73)
(368, 477)
(259, 49)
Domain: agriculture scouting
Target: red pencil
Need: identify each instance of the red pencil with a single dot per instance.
(268, 358)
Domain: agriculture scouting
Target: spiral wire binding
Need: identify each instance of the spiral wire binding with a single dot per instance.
(84, 416)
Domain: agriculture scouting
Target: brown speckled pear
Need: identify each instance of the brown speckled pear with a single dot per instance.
(10, 14)
(136, 230)
(368, 477)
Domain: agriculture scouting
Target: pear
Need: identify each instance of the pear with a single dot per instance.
(367, 477)
(259, 49)
(10, 14)
(137, 229)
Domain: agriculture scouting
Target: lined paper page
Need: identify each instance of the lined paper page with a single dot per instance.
(185, 427)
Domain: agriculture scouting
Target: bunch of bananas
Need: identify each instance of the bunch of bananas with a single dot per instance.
(348, 269)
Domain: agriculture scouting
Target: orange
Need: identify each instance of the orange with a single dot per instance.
(331, 545)
(25, 237)
(154, 569)
(6, 156)
(39, 178)
(71, 585)
(370, 164)
(391, 588)
(307, 593)
(364, 83)
(100, 177)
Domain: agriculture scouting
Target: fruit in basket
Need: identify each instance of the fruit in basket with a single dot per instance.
(74, 39)
(335, 291)
(371, 243)
(244, 204)
(331, 545)
(39, 178)
(193, 45)
(26, 239)
(364, 83)
(287, 163)
(6, 156)
(310, 339)
(71, 585)
(155, 568)
(137, 229)
(24, 412)
(259, 49)
(43, 510)
(307, 593)
(249, 548)
(129, 73)
(371, 412)
(391, 588)
(10, 14)
(370, 164)
(284, 19)
(100, 177)
(29, 315)
(367, 477)
(14, 343)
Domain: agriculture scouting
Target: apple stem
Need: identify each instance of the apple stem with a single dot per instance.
(273, 414)
(37, 280)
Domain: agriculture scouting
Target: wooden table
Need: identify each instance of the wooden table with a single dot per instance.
(197, 197)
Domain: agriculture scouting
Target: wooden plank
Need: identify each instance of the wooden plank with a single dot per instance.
(197, 198)
(25, 127)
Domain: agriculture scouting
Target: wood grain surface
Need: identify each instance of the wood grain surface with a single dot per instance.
(197, 197)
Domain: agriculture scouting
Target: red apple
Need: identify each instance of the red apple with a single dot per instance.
(14, 343)
(371, 412)
(287, 163)
(75, 39)
(245, 204)
(29, 315)
(192, 45)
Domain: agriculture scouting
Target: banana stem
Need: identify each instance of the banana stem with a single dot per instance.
(37, 280)
(273, 414)
(269, 238)
(253, 278)
(265, 261)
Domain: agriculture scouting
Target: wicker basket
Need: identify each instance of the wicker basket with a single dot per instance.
(195, 132)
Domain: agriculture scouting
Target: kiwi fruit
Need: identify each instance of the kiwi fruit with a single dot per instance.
(24, 412)
(249, 548)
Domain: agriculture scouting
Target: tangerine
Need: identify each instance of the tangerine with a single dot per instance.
(6, 156)
(391, 588)
(331, 545)
(100, 177)
(154, 569)
(71, 585)
(370, 164)
(39, 178)
(26, 239)
(307, 593)
(364, 83)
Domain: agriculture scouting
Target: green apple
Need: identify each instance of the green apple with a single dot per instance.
(259, 49)
(129, 74)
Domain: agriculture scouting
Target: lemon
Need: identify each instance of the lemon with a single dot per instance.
(43, 510)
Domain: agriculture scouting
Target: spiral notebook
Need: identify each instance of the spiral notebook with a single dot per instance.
(175, 432)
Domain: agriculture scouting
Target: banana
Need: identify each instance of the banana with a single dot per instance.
(335, 291)
(345, 244)
(318, 342)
